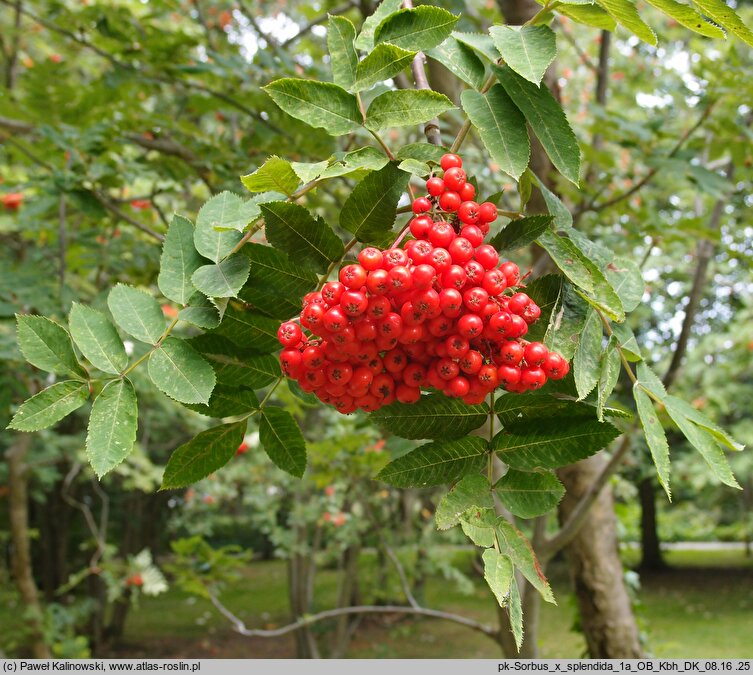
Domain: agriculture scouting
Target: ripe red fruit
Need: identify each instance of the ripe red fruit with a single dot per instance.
(468, 212)
(511, 353)
(467, 192)
(454, 277)
(353, 276)
(441, 234)
(450, 201)
(448, 161)
(353, 303)
(370, 258)
(407, 394)
(454, 179)
(423, 276)
(12, 200)
(532, 378)
(461, 250)
(331, 293)
(289, 334)
(459, 386)
(420, 226)
(535, 353)
(472, 234)
(555, 367)
(508, 375)
(334, 319)
(435, 186)
(487, 212)
(487, 256)
(421, 205)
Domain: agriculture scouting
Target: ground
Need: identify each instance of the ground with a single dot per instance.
(703, 608)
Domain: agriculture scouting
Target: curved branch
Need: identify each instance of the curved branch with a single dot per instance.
(241, 627)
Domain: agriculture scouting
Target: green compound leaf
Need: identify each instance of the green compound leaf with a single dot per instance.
(237, 367)
(112, 426)
(365, 39)
(383, 63)
(432, 416)
(655, 436)
(566, 256)
(725, 16)
(566, 322)
(586, 363)
(137, 313)
(481, 43)
(50, 405)
(501, 126)
(545, 292)
(499, 573)
(626, 278)
(97, 339)
(547, 119)
(688, 17)
(405, 107)
(47, 345)
(341, 33)
(478, 526)
(528, 50)
(206, 453)
(224, 279)
(514, 544)
(250, 330)
(609, 371)
(227, 402)
(417, 29)
(461, 61)
(275, 285)
(370, 209)
(318, 104)
(529, 494)
(179, 261)
(625, 13)
(552, 443)
(275, 174)
(227, 211)
(515, 611)
(307, 240)
(436, 463)
(201, 312)
(589, 15)
(282, 440)
(472, 491)
(520, 233)
(180, 372)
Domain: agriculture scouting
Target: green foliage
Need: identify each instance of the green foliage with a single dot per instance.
(417, 29)
(528, 50)
(432, 416)
(436, 463)
(501, 126)
(47, 345)
(282, 440)
(179, 261)
(178, 371)
(50, 405)
(520, 233)
(208, 452)
(405, 108)
(112, 426)
(529, 494)
(471, 492)
(137, 313)
(97, 339)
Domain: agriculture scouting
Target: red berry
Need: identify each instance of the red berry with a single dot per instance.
(487, 212)
(512, 272)
(555, 367)
(511, 353)
(446, 368)
(377, 283)
(457, 346)
(312, 315)
(421, 205)
(459, 386)
(532, 378)
(420, 226)
(334, 319)
(508, 375)
(353, 276)
(535, 353)
(449, 160)
(423, 276)
(461, 250)
(467, 192)
(339, 373)
(475, 298)
(441, 234)
(290, 360)
(454, 277)
(475, 271)
(472, 234)
(370, 258)
(494, 282)
(451, 302)
(454, 179)
(470, 326)
(450, 201)
(407, 394)
(487, 377)
(331, 292)
(353, 303)
(289, 334)
(468, 212)
(471, 362)
(435, 186)
(487, 256)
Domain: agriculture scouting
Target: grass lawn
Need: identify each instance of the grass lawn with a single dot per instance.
(703, 608)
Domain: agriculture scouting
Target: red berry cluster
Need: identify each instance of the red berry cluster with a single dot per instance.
(440, 313)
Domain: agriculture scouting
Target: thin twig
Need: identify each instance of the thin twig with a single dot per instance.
(315, 22)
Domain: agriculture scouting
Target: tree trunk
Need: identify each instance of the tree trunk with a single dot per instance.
(299, 575)
(21, 553)
(346, 597)
(651, 555)
(596, 569)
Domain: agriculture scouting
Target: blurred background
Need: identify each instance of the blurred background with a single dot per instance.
(116, 114)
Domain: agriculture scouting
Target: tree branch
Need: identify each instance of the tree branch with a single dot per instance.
(240, 626)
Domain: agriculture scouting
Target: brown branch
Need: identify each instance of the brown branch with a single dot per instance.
(112, 208)
(240, 626)
(574, 44)
(16, 126)
(12, 55)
